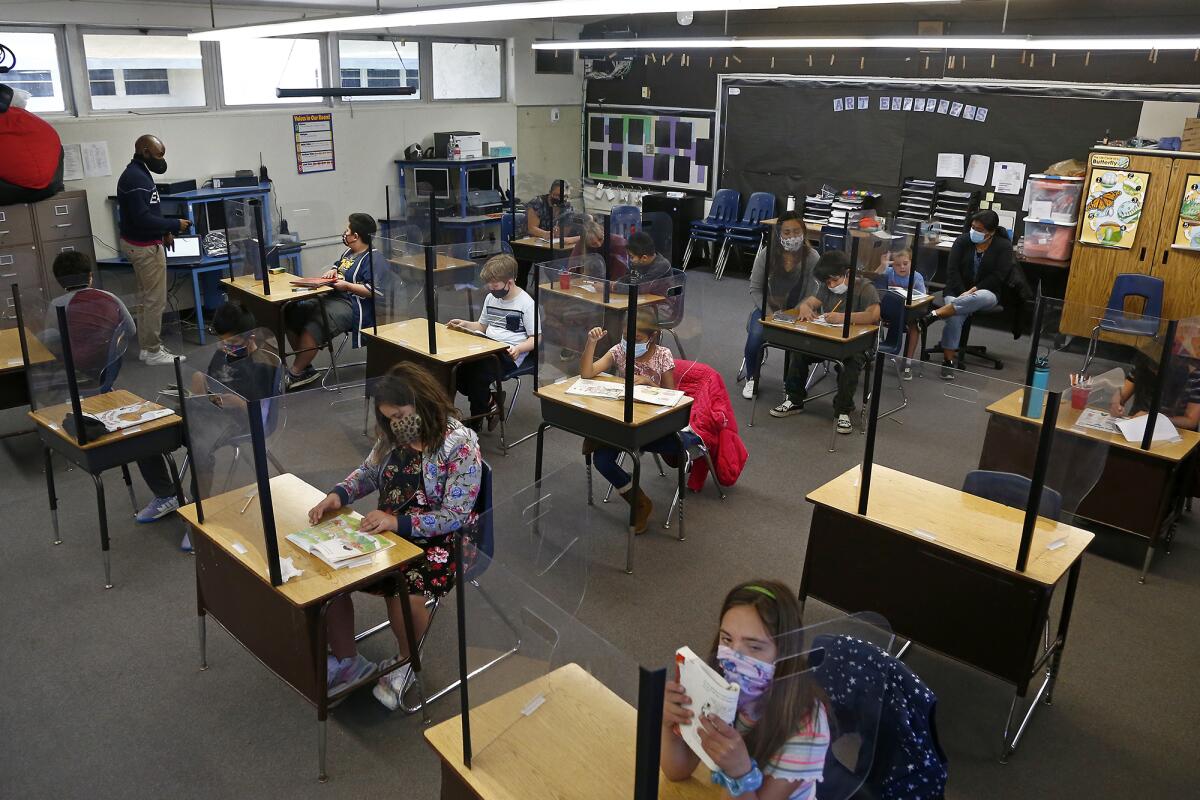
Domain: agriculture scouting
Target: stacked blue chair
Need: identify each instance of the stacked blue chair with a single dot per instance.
(749, 231)
(711, 230)
(624, 220)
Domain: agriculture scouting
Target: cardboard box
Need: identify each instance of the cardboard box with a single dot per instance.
(1191, 135)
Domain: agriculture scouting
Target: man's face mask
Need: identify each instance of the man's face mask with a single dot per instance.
(156, 165)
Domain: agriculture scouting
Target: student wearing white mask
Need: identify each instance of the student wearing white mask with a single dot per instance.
(791, 264)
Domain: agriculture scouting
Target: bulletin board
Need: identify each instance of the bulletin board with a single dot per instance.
(646, 146)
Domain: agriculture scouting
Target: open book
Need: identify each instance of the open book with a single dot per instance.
(903, 292)
(313, 283)
(608, 390)
(116, 419)
(710, 694)
(339, 543)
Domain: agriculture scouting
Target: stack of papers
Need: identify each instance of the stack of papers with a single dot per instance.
(1134, 428)
(608, 390)
(916, 204)
(952, 211)
(816, 209)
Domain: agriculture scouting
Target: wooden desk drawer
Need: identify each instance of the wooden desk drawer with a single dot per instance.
(16, 226)
(81, 245)
(19, 265)
(63, 217)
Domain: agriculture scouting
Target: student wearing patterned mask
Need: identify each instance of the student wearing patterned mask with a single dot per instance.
(791, 265)
(426, 468)
(776, 748)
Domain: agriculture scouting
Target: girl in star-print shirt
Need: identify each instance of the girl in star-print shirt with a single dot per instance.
(427, 469)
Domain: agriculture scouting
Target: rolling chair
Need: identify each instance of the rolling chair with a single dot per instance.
(1116, 320)
(711, 229)
(749, 231)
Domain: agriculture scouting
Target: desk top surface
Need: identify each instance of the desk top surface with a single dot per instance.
(604, 407)
(233, 530)
(830, 332)
(534, 241)
(417, 261)
(282, 290)
(616, 301)
(52, 416)
(1010, 406)
(452, 345)
(11, 359)
(580, 743)
(980, 529)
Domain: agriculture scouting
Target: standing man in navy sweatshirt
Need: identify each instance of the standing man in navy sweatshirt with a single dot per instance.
(145, 235)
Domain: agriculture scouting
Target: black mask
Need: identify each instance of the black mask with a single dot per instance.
(498, 293)
(156, 165)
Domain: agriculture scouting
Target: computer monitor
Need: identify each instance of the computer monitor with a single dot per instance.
(481, 179)
(432, 182)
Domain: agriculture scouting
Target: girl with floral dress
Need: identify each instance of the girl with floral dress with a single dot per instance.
(427, 469)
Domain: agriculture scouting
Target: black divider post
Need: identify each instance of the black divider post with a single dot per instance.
(374, 291)
(652, 686)
(228, 243)
(256, 207)
(772, 243)
(630, 336)
(16, 295)
(864, 485)
(1037, 481)
(460, 593)
(430, 266)
(850, 287)
(604, 254)
(258, 440)
(64, 334)
(512, 200)
(187, 441)
(562, 197)
(1164, 364)
(387, 205)
(1031, 362)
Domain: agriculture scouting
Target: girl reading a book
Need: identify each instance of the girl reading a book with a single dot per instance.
(653, 365)
(775, 750)
(426, 468)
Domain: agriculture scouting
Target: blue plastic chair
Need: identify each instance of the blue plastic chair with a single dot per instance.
(526, 368)
(624, 220)
(749, 231)
(711, 230)
(893, 317)
(1010, 489)
(508, 231)
(1115, 320)
(834, 239)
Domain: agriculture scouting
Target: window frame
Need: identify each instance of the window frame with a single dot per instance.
(65, 74)
(218, 71)
(84, 100)
(502, 44)
(424, 68)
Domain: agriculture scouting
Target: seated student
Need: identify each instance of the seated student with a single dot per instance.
(777, 745)
(586, 258)
(897, 270)
(426, 468)
(647, 269)
(236, 376)
(792, 263)
(100, 324)
(507, 316)
(832, 275)
(348, 308)
(653, 365)
(1180, 396)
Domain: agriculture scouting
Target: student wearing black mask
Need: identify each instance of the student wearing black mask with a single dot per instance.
(145, 236)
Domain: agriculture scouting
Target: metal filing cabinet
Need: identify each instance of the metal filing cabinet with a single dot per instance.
(32, 235)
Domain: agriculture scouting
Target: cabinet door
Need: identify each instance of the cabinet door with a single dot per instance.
(1177, 257)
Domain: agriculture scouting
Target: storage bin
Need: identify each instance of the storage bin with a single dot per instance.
(1061, 193)
(1047, 239)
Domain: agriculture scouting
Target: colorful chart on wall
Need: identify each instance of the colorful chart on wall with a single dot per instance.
(1114, 202)
(650, 147)
(1188, 232)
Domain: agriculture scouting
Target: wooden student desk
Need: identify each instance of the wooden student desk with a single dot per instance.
(14, 390)
(958, 594)
(530, 250)
(603, 420)
(156, 437)
(268, 309)
(282, 626)
(579, 744)
(1140, 492)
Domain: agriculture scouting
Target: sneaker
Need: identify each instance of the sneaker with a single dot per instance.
(493, 417)
(292, 381)
(158, 508)
(350, 671)
(748, 389)
(567, 354)
(787, 408)
(906, 374)
(390, 688)
(947, 371)
(844, 425)
(160, 357)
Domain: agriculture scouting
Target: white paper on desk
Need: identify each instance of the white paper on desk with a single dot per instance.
(950, 165)
(1135, 428)
(72, 162)
(1008, 177)
(977, 170)
(287, 570)
(95, 159)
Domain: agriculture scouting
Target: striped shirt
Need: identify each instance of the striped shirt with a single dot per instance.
(509, 321)
(801, 760)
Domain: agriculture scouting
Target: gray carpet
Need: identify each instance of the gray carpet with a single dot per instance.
(105, 698)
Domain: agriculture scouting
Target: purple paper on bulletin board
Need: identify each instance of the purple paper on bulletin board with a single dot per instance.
(654, 147)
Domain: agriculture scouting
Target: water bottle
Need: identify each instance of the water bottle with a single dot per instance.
(1041, 382)
(791, 202)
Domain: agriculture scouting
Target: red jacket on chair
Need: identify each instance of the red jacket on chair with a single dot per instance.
(713, 421)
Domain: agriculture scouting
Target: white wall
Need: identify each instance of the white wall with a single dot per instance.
(1164, 119)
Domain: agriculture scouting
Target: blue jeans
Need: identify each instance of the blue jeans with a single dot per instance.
(605, 458)
(754, 344)
(964, 306)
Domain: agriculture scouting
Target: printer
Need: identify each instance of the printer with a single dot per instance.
(484, 201)
(469, 143)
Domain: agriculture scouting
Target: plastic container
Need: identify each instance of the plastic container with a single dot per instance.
(1062, 195)
(1080, 396)
(1047, 239)
(1038, 387)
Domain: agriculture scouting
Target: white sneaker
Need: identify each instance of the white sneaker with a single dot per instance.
(160, 357)
(906, 374)
(349, 671)
(748, 389)
(844, 425)
(390, 688)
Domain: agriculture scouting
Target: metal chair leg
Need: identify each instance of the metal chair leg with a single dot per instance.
(48, 457)
(662, 472)
(103, 514)
(620, 462)
(1091, 349)
(687, 255)
(712, 470)
(129, 487)
(678, 344)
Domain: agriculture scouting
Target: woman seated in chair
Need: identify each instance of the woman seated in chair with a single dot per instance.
(426, 468)
(552, 206)
(348, 308)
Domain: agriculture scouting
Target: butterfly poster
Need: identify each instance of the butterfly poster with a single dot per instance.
(1187, 234)
(1113, 206)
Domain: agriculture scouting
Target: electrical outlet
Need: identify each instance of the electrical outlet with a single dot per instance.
(646, 92)
(555, 115)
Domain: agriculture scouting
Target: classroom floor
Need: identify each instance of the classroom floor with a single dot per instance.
(105, 699)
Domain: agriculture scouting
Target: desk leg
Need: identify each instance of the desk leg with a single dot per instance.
(129, 486)
(541, 442)
(322, 777)
(329, 344)
(637, 487)
(199, 301)
(203, 631)
(587, 464)
(1064, 622)
(681, 488)
(49, 459)
(103, 530)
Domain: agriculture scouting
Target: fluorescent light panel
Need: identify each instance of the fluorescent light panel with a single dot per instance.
(886, 42)
(502, 12)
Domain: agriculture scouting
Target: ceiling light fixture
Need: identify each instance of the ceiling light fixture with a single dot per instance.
(887, 42)
(505, 12)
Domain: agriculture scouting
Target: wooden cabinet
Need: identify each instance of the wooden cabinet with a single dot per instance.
(1094, 267)
(31, 237)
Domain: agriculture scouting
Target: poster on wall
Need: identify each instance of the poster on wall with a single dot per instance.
(314, 142)
(1114, 202)
(1187, 234)
(655, 147)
